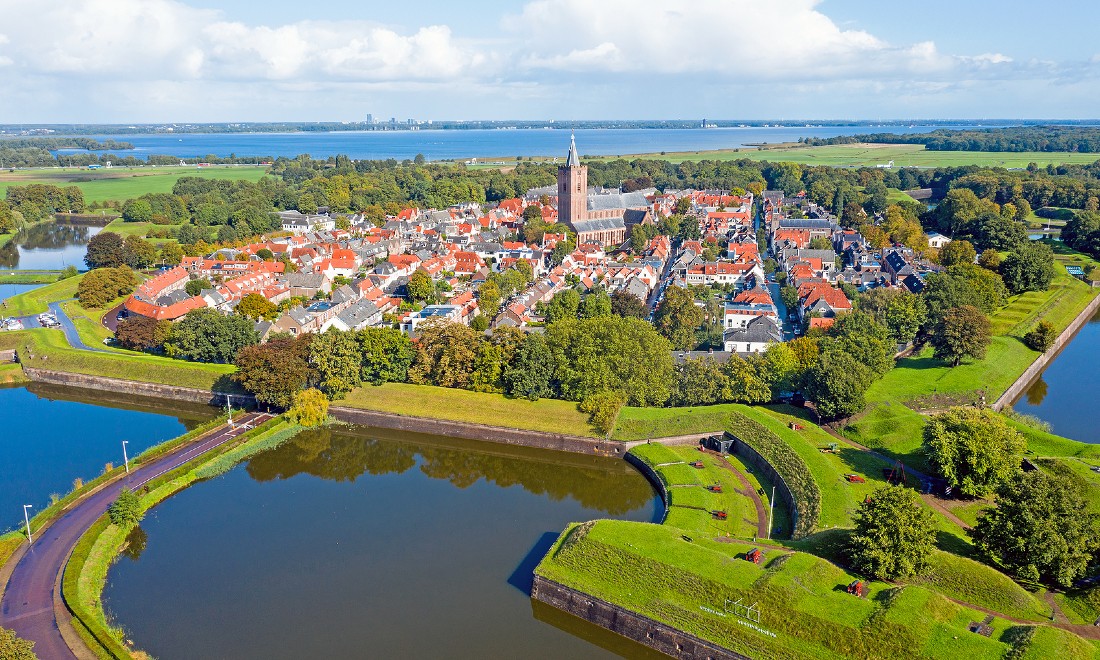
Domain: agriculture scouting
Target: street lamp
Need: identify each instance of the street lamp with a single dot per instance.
(27, 518)
(125, 458)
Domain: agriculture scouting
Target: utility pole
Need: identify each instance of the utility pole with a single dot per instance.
(229, 406)
(771, 513)
(26, 518)
(125, 458)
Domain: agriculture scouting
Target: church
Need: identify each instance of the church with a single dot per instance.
(601, 217)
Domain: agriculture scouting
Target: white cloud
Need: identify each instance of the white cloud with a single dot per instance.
(138, 60)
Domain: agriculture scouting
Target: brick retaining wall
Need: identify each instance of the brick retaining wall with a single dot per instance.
(541, 440)
(87, 382)
(641, 629)
(1036, 369)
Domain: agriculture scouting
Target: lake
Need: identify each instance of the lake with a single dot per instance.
(47, 246)
(354, 542)
(480, 143)
(53, 435)
(1066, 389)
(9, 290)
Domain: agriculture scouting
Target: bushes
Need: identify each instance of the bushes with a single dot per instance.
(1041, 337)
(310, 408)
(789, 467)
(103, 285)
(126, 510)
(602, 409)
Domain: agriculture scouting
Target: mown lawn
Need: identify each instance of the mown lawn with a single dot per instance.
(893, 428)
(47, 349)
(36, 301)
(125, 183)
(804, 609)
(546, 415)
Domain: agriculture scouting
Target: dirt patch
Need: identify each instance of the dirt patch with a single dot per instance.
(944, 400)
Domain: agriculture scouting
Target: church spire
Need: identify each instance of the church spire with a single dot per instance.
(573, 160)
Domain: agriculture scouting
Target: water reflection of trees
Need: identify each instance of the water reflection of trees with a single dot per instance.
(607, 485)
(1037, 392)
(43, 236)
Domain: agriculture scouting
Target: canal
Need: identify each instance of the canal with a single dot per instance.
(47, 246)
(355, 542)
(1066, 389)
(53, 435)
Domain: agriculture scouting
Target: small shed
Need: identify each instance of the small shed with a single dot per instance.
(722, 444)
(8, 356)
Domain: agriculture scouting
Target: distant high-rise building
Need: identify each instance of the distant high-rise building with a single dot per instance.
(370, 119)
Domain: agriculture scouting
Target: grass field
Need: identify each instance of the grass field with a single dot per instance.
(47, 349)
(36, 301)
(122, 183)
(804, 609)
(547, 415)
(891, 426)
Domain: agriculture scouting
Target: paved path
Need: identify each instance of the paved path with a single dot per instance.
(69, 328)
(748, 491)
(28, 602)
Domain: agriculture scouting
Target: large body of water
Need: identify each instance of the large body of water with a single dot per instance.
(364, 543)
(52, 435)
(1066, 390)
(47, 246)
(459, 144)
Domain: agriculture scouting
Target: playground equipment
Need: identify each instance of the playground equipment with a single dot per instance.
(896, 475)
(831, 449)
(858, 588)
(754, 555)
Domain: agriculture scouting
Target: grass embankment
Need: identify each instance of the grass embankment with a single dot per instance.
(892, 424)
(11, 374)
(36, 301)
(48, 349)
(122, 183)
(86, 571)
(545, 415)
(804, 609)
(30, 277)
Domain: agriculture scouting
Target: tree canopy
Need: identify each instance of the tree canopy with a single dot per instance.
(894, 535)
(974, 450)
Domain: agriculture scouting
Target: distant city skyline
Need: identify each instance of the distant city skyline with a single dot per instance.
(151, 61)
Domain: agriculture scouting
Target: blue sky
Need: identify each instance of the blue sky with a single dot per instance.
(236, 60)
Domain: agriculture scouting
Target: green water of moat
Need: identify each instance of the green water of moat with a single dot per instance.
(353, 542)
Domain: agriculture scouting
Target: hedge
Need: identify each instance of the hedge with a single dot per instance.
(790, 467)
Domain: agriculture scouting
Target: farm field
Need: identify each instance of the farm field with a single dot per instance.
(122, 183)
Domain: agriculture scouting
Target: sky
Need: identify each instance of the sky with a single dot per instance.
(140, 61)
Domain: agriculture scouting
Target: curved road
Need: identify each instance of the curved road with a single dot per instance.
(28, 603)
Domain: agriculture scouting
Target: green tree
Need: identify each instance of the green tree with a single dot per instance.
(789, 296)
(821, 243)
(611, 354)
(837, 384)
(307, 203)
(141, 333)
(204, 335)
(336, 357)
(859, 335)
(602, 409)
(446, 353)
(974, 450)
(894, 536)
(628, 305)
(387, 355)
(140, 253)
(137, 210)
(990, 260)
(67, 272)
(103, 285)
(420, 286)
(530, 374)
(595, 305)
(964, 332)
(254, 306)
(699, 381)
(1030, 267)
(105, 250)
(1040, 530)
(1041, 337)
(677, 318)
(126, 510)
(957, 252)
(564, 305)
(310, 408)
(195, 287)
(171, 254)
(15, 648)
(747, 380)
(274, 372)
(488, 298)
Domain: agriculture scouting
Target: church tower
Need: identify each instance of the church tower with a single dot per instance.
(572, 187)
